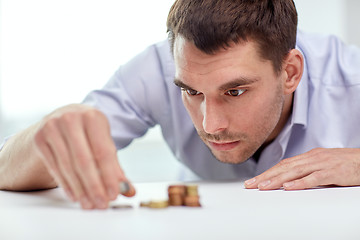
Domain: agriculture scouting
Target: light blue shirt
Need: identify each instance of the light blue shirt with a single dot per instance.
(326, 110)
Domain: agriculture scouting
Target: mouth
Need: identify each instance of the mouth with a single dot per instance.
(223, 146)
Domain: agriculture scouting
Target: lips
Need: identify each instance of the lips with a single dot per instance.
(223, 146)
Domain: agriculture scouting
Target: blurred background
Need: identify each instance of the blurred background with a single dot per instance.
(53, 52)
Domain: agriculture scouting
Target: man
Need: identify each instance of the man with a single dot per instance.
(234, 98)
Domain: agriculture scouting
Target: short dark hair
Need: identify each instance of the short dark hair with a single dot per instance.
(214, 24)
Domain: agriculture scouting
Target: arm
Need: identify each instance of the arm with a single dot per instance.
(318, 167)
(71, 147)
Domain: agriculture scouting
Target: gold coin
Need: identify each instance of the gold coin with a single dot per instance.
(155, 204)
(192, 190)
(158, 204)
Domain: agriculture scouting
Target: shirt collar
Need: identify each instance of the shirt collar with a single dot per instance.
(301, 100)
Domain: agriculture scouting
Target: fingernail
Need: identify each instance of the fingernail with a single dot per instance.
(85, 203)
(264, 184)
(288, 184)
(124, 187)
(250, 181)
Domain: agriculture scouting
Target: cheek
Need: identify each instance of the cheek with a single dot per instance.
(193, 108)
(251, 113)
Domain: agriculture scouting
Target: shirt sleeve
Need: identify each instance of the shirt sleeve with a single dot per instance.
(129, 97)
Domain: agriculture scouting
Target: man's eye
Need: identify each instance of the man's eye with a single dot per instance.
(192, 92)
(235, 92)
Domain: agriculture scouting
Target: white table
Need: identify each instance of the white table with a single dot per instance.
(229, 212)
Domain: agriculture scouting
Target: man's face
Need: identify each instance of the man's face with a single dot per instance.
(234, 98)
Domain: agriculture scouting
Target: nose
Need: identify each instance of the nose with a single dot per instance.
(214, 117)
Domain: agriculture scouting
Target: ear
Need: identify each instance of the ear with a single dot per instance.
(293, 67)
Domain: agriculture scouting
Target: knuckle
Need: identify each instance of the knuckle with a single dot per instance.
(49, 130)
(302, 184)
(49, 126)
(299, 182)
(94, 115)
(68, 118)
(284, 164)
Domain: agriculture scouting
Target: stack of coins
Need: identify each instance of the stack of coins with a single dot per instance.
(179, 195)
(176, 195)
(192, 198)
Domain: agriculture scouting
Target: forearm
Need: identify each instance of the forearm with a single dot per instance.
(20, 167)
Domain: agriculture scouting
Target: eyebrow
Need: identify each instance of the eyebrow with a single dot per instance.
(241, 81)
(228, 85)
(180, 84)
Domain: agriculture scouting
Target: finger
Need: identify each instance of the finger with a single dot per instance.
(84, 163)
(130, 192)
(48, 159)
(289, 165)
(104, 152)
(63, 162)
(315, 179)
(297, 172)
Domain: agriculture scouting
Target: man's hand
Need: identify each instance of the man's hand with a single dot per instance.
(75, 145)
(318, 167)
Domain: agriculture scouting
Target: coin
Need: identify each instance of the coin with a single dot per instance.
(192, 190)
(124, 187)
(155, 204)
(176, 199)
(176, 194)
(192, 201)
(121, 206)
(177, 189)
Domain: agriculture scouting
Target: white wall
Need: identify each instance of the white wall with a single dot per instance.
(352, 20)
(322, 16)
(338, 17)
(54, 52)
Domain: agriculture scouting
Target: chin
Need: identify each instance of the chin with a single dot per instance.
(227, 157)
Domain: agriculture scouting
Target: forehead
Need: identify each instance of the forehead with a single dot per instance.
(189, 59)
